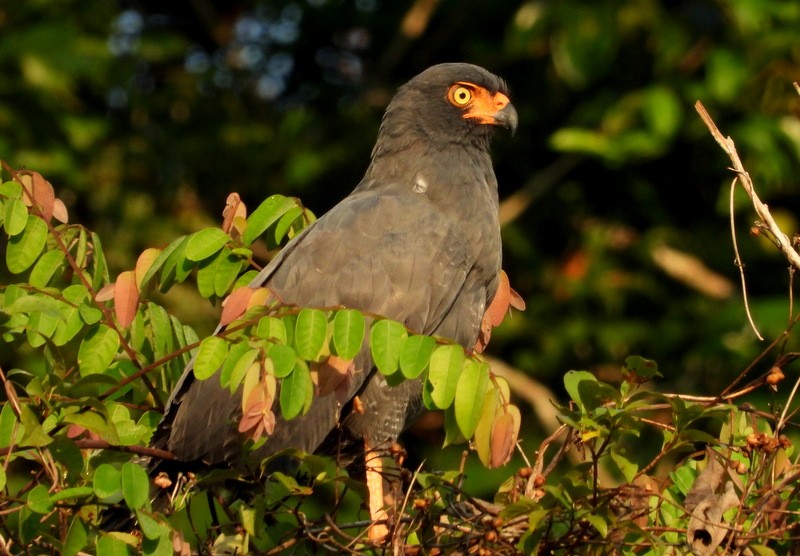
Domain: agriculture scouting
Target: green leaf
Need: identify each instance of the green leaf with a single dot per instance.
(239, 370)
(472, 386)
(160, 330)
(94, 422)
(157, 265)
(310, 333)
(644, 368)
(40, 327)
(216, 276)
(386, 341)
(415, 355)
(11, 189)
(174, 259)
(205, 243)
(34, 432)
(23, 249)
(113, 544)
(72, 492)
(283, 359)
(626, 466)
(267, 213)
(210, 357)
(597, 522)
(107, 483)
(77, 537)
(135, 485)
(296, 392)
(50, 264)
(151, 528)
(235, 353)
(100, 274)
(39, 500)
(2, 478)
(572, 380)
(271, 328)
(35, 303)
(445, 369)
(226, 272)
(286, 222)
(8, 422)
(349, 329)
(16, 217)
(97, 350)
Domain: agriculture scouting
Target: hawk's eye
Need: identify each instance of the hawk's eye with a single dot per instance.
(460, 95)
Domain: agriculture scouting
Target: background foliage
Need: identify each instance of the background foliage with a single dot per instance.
(146, 115)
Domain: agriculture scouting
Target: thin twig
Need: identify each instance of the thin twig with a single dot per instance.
(739, 264)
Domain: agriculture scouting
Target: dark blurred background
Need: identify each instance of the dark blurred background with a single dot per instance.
(145, 115)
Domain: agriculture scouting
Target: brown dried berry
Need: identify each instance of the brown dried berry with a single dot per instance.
(525, 472)
(774, 376)
(162, 480)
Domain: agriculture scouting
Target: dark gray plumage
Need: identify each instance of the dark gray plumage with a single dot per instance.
(417, 241)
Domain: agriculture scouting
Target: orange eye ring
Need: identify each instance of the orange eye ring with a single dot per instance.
(459, 95)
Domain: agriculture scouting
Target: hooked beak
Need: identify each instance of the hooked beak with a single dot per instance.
(507, 117)
(494, 110)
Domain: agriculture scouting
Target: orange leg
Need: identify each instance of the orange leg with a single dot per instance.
(377, 532)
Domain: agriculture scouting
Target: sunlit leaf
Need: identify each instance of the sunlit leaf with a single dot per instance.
(471, 389)
(505, 431)
(205, 243)
(210, 356)
(97, 350)
(482, 438)
(283, 359)
(296, 391)
(349, 328)
(49, 264)
(285, 223)
(100, 272)
(415, 355)
(126, 298)
(445, 369)
(386, 340)
(267, 213)
(15, 218)
(23, 249)
(235, 304)
(310, 333)
(144, 263)
(271, 328)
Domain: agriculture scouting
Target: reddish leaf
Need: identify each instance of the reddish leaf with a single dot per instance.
(516, 300)
(484, 335)
(60, 211)
(331, 373)
(504, 435)
(106, 293)
(234, 215)
(43, 195)
(144, 262)
(499, 306)
(126, 298)
(235, 304)
(504, 298)
(257, 417)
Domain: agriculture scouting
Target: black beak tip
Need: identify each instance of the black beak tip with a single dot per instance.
(508, 118)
